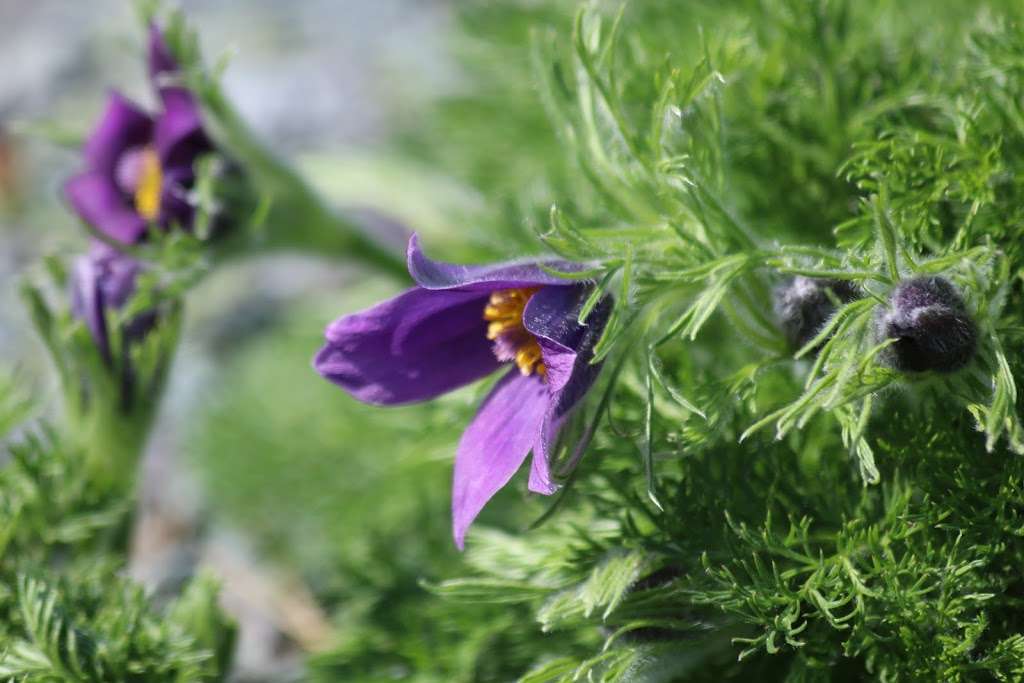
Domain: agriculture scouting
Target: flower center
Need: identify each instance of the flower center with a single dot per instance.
(512, 341)
(149, 184)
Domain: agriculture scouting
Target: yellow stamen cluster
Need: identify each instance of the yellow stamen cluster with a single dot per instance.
(147, 193)
(504, 312)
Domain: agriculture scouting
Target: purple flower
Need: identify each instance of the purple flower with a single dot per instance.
(462, 323)
(139, 168)
(101, 281)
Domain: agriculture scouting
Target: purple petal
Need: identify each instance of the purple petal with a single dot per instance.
(129, 169)
(160, 58)
(118, 273)
(96, 198)
(410, 348)
(87, 301)
(101, 280)
(540, 467)
(118, 277)
(431, 274)
(584, 373)
(551, 316)
(178, 134)
(493, 447)
(122, 126)
(175, 208)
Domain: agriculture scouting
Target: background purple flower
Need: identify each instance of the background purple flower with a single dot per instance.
(101, 281)
(139, 168)
(459, 324)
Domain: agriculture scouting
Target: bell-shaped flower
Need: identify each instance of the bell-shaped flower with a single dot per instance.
(140, 167)
(459, 324)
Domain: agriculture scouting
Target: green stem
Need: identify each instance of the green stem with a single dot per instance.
(298, 218)
(112, 441)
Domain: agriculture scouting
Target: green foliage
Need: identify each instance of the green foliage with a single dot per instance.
(741, 515)
(99, 628)
(65, 613)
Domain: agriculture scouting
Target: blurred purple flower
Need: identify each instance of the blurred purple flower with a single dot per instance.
(139, 168)
(459, 324)
(101, 281)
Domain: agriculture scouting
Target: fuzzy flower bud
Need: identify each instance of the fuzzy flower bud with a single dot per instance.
(803, 305)
(931, 325)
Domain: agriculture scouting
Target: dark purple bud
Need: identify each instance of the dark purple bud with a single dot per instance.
(931, 325)
(803, 305)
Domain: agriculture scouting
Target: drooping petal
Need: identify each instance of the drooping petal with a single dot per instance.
(103, 280)
(95, 197)
(431, 274)
(121, 127)
(117, 272)
(87, 301)
(568, 347)
(541, 480)
(413, 347)
(551, 317)
(160, 58)
(493, 447)
(178, 134)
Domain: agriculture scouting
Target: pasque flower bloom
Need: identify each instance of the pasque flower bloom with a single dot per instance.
(459, 324)
(139, 168)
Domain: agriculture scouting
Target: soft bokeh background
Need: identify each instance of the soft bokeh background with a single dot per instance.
(327, 521)
(247, 473)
